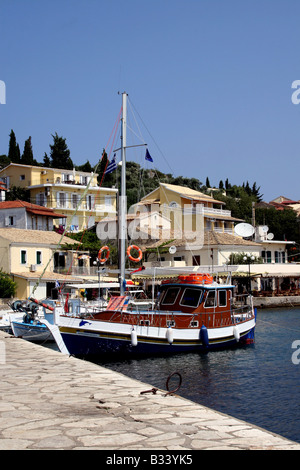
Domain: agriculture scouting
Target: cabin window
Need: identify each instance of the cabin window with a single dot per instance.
(171, 296)
(194, 324)
(144, 322)
(210, 300)
(222, 298)
(191, 297)
(171, 323)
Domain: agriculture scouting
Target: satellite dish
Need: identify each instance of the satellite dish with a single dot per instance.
(270, 236)
(172, 250)
(244, 230)
(265, 228)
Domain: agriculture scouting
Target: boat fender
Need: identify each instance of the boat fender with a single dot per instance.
(169, 335)
(134, 340)
(236, 333)
(204, 336)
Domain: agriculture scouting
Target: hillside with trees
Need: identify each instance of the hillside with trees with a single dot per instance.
(239, 198)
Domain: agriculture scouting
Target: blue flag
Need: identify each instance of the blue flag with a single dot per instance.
(112, 166)
(148, 156)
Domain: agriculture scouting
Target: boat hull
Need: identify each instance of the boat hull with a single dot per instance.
(107, 340)
(31, 332)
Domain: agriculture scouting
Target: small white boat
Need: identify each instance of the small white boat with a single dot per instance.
(33, 330)
(15, 312)
(31, 326)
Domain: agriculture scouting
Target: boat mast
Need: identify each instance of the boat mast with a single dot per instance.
(123, 199)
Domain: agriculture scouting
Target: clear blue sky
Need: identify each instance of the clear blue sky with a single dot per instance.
(211, 80)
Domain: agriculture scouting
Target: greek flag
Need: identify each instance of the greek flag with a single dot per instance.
(148, 156)
(57, 285)
(112, 166)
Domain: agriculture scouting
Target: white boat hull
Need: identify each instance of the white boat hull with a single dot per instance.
(90, 337)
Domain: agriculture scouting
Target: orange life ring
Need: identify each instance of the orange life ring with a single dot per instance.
(134, 247)
(196, 279)
(103, 260)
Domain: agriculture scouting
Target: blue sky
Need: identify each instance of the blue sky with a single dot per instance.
(211, 80)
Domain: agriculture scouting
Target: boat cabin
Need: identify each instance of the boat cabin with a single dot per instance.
(203, 298)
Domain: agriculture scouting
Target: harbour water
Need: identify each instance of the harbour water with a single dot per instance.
(258, 383)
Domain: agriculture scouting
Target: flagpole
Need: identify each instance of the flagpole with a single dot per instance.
(122, 199)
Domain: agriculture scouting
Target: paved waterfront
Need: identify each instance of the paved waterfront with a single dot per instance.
(53, 401)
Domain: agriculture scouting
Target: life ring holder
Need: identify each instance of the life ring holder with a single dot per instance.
(134, 247)
(103, 260)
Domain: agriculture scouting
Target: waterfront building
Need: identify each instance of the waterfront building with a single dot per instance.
(26, 254)
(62, 191)
(187, 209)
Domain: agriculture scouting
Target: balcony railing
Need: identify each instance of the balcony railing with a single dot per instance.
(77, 270)
(59, 182)
(84, 206)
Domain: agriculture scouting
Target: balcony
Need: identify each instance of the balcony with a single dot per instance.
(58, 182)
(77, 270)
(84, 206)
(220, 212)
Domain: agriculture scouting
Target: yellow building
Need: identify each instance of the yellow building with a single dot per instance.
(188, 209)
(64, 191)
(26, 254)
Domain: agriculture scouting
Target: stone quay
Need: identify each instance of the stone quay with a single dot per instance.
(53, 401)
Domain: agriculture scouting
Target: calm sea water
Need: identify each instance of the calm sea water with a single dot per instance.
(258, 383)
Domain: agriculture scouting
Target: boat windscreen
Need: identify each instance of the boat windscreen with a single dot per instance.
(191, 297)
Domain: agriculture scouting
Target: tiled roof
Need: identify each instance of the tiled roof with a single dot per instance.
(33, 208)
(48, 276)
(190, 193)
(176, 238)
(43, 237)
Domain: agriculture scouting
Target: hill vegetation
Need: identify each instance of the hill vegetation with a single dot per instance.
(239, 198)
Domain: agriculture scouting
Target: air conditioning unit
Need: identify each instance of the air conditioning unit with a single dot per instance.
(33, 268)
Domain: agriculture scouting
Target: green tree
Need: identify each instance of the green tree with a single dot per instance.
(27, 156)
(46, 161)
(284, 224)
(4, 161)
(13, 148)
(60, 154)
(86, 167)
(16, 192)
(238, 258)
(7, 285)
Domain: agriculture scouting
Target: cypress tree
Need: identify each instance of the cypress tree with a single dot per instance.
(13, 148)
(27, 157)
(60, 154)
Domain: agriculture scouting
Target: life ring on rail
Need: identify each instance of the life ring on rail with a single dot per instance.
(134, 247)
(196, 279)
(103, 260)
